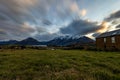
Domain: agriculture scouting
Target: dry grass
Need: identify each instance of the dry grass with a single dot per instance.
(59, 65)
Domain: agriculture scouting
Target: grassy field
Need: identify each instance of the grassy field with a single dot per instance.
(59, 65)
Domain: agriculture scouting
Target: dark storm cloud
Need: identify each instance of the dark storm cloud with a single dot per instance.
(15, 31)
(22, 18)
(80, 27)
(118, 26)
(114, 19)
(13, 19)
(43, 18)
(113, 16)
(46, 22)
(15, 10)
(17, 18)
(32, 10)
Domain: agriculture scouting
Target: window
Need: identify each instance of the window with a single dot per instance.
(113, 39)
(104, 40)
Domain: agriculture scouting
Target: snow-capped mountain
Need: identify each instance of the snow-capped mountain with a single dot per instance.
(58, 41)
(69, 37)
(69, 40)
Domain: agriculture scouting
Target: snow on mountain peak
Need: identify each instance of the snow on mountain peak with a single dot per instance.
(69, 37)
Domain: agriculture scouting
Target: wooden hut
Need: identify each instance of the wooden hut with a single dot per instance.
(109, 40)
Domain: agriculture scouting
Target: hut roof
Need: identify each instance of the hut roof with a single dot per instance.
(110, 33)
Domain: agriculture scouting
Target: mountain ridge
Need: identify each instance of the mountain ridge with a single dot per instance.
(58, 41)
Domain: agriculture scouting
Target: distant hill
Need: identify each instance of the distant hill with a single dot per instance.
(8, 42)
(28, 41)
(58, 41)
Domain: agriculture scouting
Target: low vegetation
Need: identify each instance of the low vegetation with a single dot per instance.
(29, 64)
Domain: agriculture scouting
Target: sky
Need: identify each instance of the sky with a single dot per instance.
(47, 19)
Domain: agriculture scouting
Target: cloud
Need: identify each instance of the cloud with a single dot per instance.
(111, 22)
(75, 9)
(113, 16)
(83, 12)
(81, 27)
(13, 19)
(85, 27)
(46, 22)
(24, 18)
(103, 27)
(15, 31)
(46, 36)
(114, 19)
(118, 26)
(18, 20)
(16, 10)
(45, 19)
